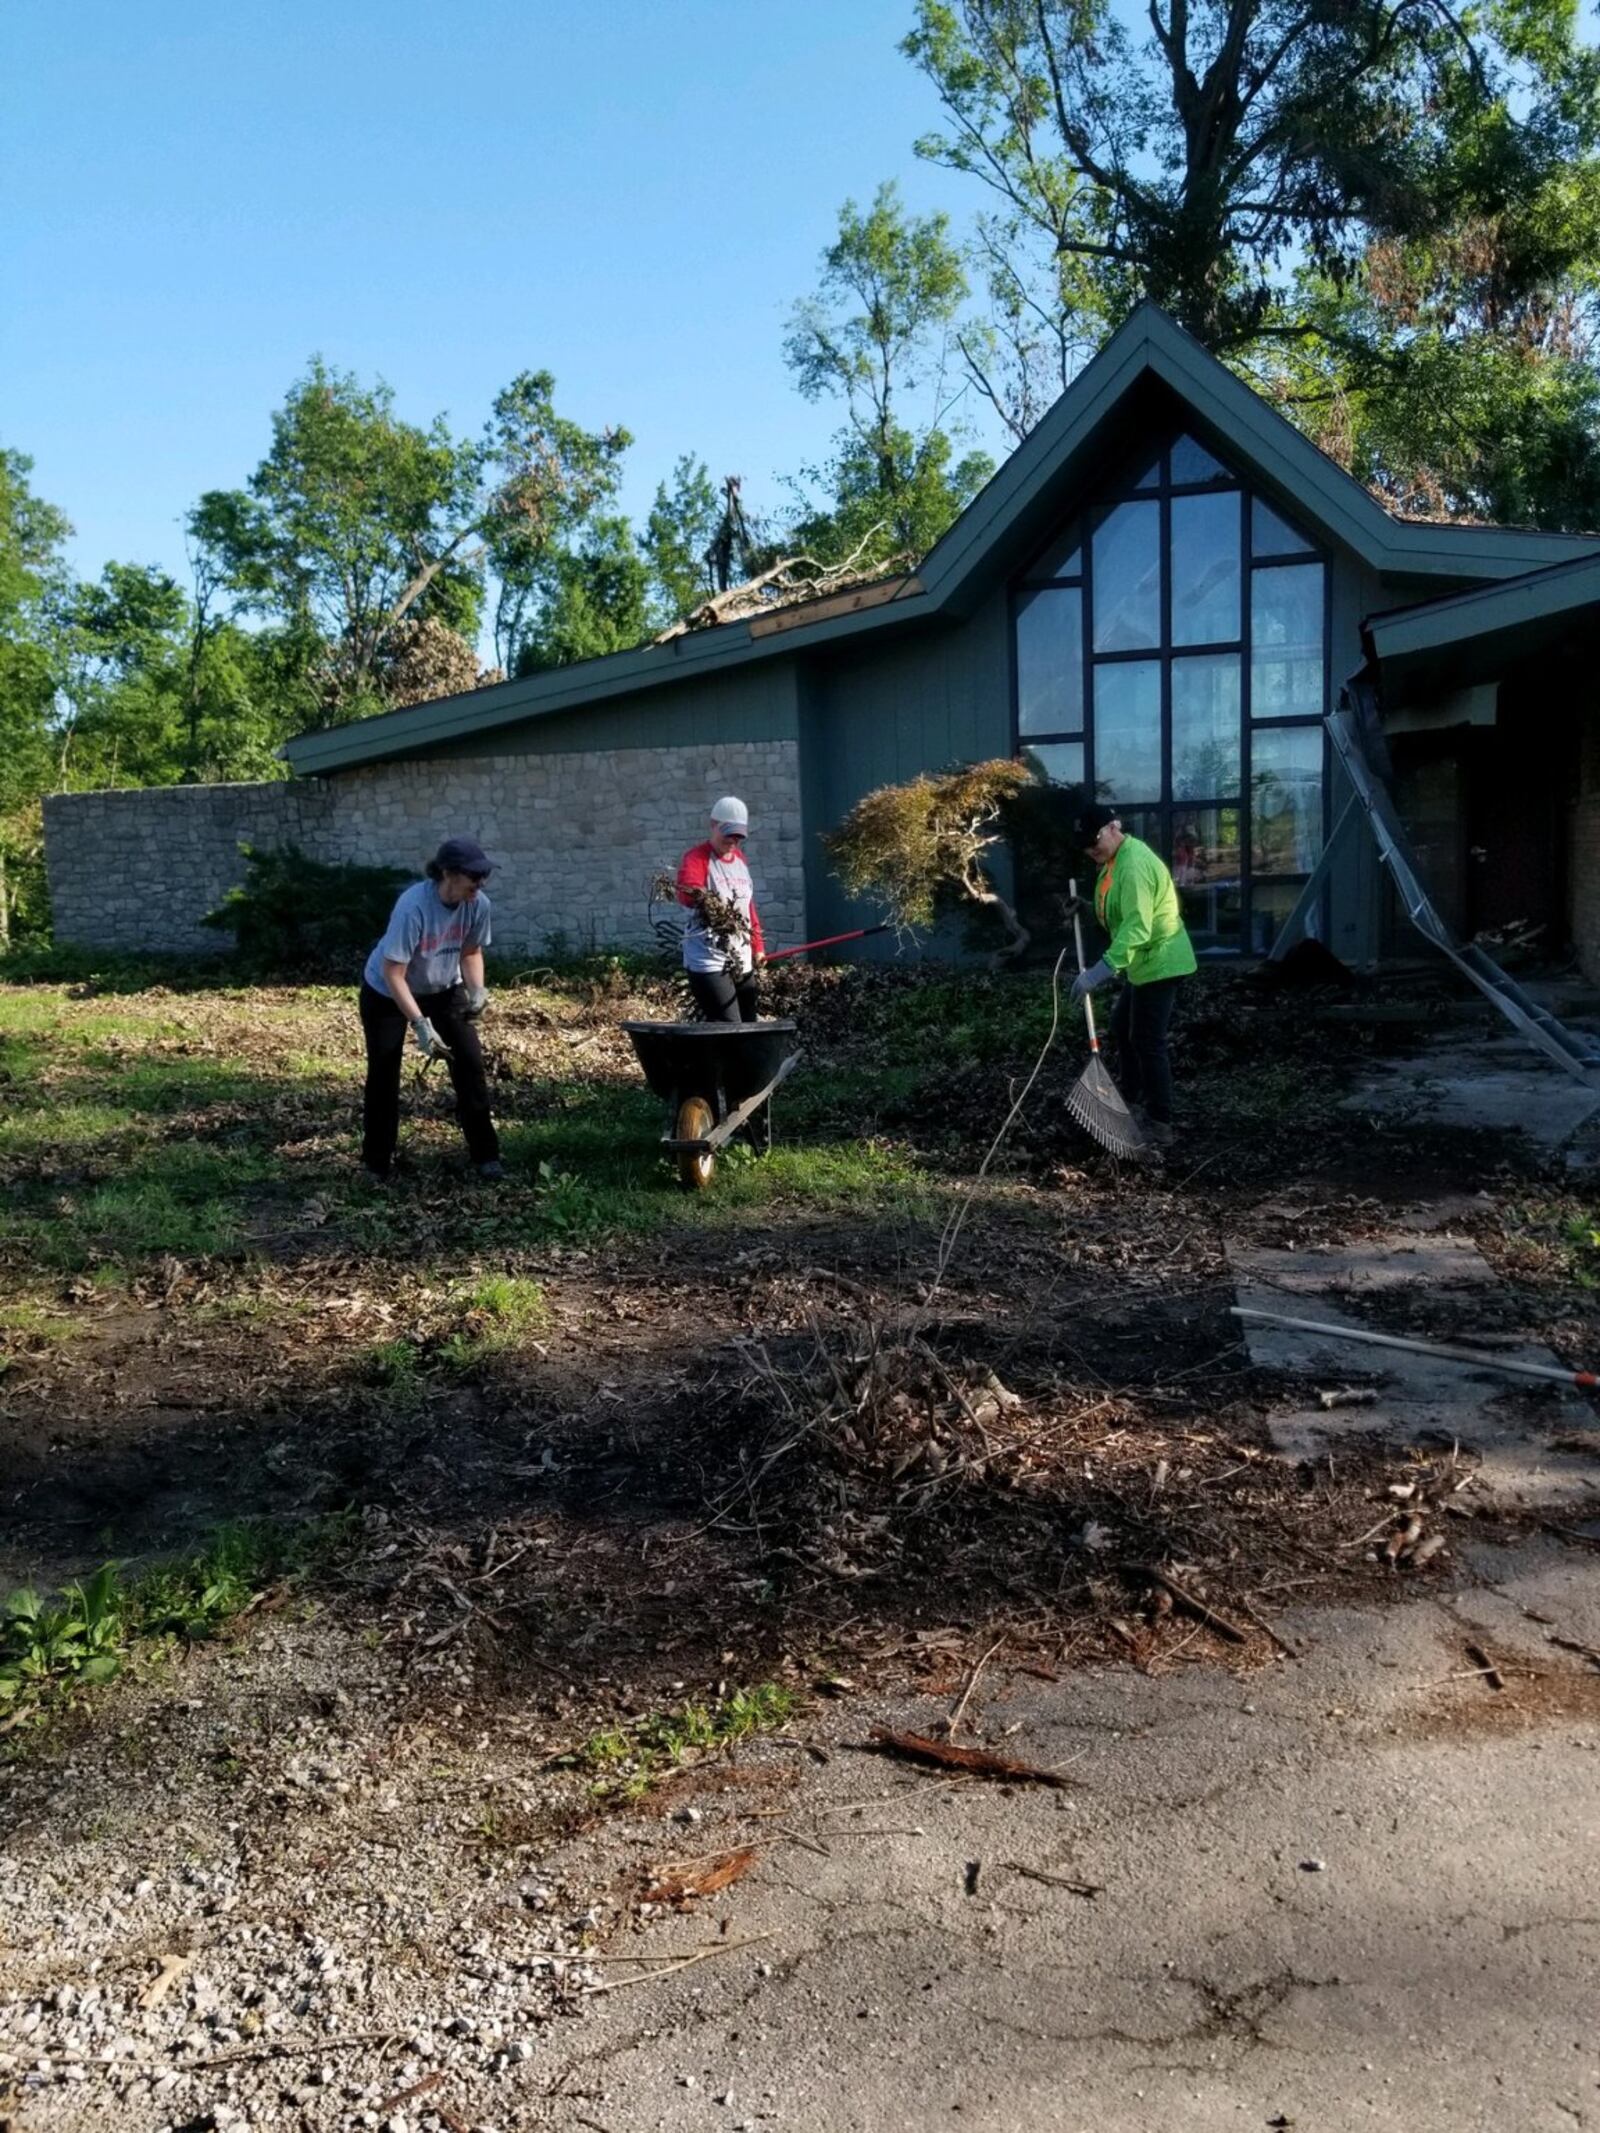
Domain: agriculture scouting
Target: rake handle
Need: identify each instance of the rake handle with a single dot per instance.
(1077, 937)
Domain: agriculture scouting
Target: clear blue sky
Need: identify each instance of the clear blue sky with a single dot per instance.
(196, 195)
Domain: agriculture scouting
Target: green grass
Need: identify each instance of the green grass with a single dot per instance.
(53, 1649)
(624, 1761)
(139, 1127)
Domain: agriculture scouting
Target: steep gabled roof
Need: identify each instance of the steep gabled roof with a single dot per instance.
(1011, 511)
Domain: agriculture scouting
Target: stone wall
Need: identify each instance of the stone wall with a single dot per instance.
(578, 837)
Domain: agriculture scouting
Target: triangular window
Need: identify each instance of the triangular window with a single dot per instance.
(1192, 463)
(1273, 536)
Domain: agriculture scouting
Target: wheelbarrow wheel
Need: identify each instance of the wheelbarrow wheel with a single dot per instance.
(695, 1166)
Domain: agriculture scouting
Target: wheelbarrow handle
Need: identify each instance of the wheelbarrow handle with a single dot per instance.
(831, 941)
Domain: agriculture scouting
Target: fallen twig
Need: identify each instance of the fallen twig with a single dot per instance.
(350, 2042)
(1091, 1889)
(953, 1722)
(945, 1755)
(1571, 1644)
(1486, 1666)
(1190, 1603)
(716, 1947)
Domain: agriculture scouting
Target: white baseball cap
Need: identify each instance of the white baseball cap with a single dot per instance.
(731, 814)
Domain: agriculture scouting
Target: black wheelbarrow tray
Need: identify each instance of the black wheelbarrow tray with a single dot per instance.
(715, 1076)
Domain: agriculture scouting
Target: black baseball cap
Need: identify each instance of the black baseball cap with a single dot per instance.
(463, 855)
(1094, 819)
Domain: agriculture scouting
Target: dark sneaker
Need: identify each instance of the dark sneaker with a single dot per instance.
(1158, 1132)
(493, 1172)
(374, 1176)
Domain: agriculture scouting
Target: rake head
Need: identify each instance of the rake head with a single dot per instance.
(1097, 1105)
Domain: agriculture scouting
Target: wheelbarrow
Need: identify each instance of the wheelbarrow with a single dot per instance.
(716, 1078)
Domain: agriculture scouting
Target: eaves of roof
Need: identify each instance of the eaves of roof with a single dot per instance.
(1476, 635)
(1254, 435)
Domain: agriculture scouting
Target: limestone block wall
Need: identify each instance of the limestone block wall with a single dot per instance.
(577, 837)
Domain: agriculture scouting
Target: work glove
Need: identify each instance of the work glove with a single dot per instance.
(427, 1039)
(1086, 980)
(1071, 906)
(477, 1000)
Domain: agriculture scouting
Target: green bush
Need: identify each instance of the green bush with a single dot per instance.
(297, 917)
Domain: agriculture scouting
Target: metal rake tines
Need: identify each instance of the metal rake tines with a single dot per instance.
(1096, 1103)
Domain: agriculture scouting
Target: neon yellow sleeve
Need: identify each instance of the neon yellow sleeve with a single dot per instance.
(1136, 912)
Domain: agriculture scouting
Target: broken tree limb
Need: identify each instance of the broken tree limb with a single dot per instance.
(1585, 1380)
(1189, 1603)
(945, 1755)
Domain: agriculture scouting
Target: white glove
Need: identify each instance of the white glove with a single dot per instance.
(427, 1039)
(477, 1000)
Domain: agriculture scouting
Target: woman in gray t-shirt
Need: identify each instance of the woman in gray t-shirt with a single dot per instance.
(426, 976)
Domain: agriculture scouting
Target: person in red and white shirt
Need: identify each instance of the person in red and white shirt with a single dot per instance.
(721, 968)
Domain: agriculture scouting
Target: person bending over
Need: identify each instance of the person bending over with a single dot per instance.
(425, 978)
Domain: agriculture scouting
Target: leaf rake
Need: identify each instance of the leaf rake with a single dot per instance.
(1095, 1100)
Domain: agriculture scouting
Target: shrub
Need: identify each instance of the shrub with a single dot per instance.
(297, 917)
(920, 848)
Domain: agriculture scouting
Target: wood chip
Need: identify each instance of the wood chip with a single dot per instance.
(945, 1755)
(174, 1969)
(718, 1872)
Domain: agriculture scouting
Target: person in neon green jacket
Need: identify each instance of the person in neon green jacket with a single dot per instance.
(1137, 905)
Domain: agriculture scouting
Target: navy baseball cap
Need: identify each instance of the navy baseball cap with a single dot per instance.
(463, 855)
(1094, 819)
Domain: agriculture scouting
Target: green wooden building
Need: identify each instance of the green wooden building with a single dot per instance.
(1158, 596)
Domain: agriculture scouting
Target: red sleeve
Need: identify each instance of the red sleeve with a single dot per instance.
(692, 873)
(757, 945)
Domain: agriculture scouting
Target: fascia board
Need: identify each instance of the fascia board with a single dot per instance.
(1511, 604)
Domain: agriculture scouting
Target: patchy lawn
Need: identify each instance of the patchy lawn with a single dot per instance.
(500, 1504)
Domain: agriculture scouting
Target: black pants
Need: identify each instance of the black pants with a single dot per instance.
(721, 997)
(1139, 1025)
(386, 1030)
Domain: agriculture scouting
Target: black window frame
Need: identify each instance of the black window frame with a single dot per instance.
(1164, 806)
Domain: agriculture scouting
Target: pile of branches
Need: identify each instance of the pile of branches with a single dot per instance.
(787, 582)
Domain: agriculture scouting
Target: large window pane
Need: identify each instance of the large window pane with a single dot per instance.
(1272, 535)
(1286, 647)
(1127, 579)
(1062, 558)
(1205, 726)
(1127, 730)
(1206, 867)
(1286, 799)
(1205, 569)
(1056, 762)
(1050, 662)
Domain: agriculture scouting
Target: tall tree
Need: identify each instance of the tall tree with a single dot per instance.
(358, 522)
(592, 596)
(680, 539)
(542, 478)
(875, 336)
(33, 581)
(1193, 160)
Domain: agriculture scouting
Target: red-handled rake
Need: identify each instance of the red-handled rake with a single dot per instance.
(1095, 1101)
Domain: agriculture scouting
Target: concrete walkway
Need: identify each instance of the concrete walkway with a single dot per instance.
(1361, 1888)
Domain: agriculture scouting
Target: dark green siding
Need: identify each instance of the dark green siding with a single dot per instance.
(755, 703)
(930, 701)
